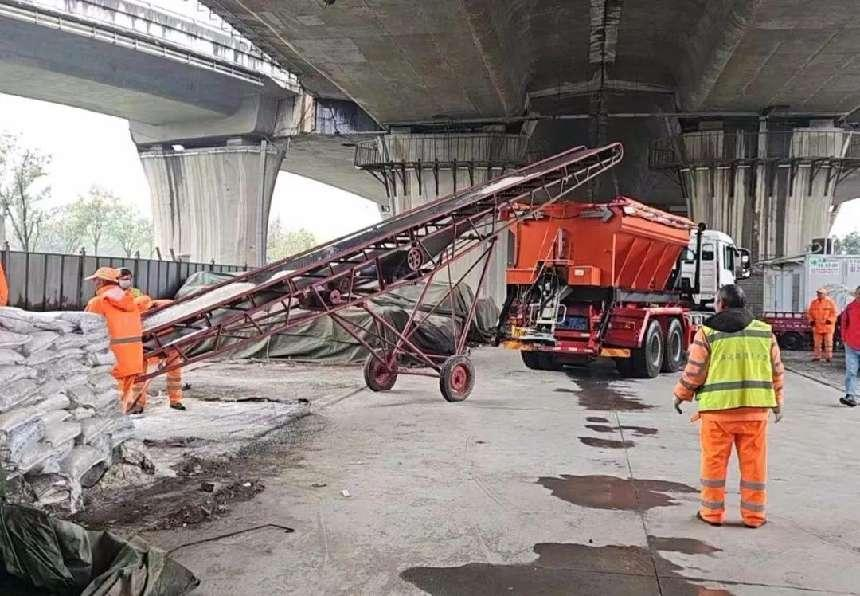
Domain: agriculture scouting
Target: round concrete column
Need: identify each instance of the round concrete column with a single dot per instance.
(213, 202)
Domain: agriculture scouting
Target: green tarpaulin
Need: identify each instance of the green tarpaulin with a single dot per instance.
(41, 554)
(324, 340)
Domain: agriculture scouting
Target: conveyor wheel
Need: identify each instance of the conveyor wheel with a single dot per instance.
(377, 375)
(456, 378)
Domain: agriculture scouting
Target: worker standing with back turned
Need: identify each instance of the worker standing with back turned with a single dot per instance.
(124, 328)
(822, 313)
(735, 373)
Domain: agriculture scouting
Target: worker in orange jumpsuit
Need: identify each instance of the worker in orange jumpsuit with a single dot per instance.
(822, 314)
(4, 288)
(735, 373)
(174, 376)
(125, 330)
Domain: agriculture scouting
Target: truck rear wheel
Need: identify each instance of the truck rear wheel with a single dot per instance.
(647, 360)
(791, 341)
(536, 360)
(624, 366)
(673, 350)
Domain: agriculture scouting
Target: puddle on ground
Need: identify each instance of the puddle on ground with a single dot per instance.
(596, 419)
(638, 431)
(605, 443)
(612, 492)
(600, 395)
(686, 546)
(565, 569)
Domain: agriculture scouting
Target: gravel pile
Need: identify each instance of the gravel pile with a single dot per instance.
(60, 416)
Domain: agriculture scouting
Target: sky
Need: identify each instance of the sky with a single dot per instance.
(93, 149)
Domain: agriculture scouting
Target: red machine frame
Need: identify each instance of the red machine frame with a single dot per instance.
(408, 249)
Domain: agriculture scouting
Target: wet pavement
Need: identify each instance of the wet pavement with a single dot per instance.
(567, 482)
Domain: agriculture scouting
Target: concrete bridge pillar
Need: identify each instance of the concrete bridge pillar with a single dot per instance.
(213, 202)
(771, 189)
(417, 168)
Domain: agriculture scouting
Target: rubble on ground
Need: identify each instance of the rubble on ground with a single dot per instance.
(60, 418)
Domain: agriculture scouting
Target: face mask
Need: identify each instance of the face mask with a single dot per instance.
(125, 284)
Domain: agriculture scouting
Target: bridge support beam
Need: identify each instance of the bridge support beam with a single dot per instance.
(417, 168)
(214, 202)
(771, 189)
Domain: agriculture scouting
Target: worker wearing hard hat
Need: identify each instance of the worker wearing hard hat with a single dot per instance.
(174, 376)
(4, 288)
(124, 328)
(822, 313)
(735, 373)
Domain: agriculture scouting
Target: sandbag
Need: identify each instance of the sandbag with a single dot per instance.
(16, 320)
(10, 357)
(40, 340)
(15, 393)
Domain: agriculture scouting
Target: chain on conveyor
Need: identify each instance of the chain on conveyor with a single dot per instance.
(405, 249)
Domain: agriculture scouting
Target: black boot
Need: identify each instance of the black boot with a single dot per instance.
(848, 400)
(178, 406)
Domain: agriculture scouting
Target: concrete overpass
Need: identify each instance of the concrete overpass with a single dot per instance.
(211, 115)
(746, 104)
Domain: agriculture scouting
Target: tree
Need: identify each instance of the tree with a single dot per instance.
(22, 188)
(848, 244)
(286, 243)
(57, 235)
(130, 230)
(89, 217)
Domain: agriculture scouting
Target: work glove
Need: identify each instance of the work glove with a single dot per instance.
(777, 414)
(678, 405)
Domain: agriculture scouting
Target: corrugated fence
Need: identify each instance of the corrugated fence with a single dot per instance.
(49, 281)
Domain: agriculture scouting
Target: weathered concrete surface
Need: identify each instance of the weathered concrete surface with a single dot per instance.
(504, 494)
(213, 203)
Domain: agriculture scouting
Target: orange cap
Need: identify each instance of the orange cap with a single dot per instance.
(105, 273)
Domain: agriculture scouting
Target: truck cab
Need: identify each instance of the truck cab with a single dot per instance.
(722, 263)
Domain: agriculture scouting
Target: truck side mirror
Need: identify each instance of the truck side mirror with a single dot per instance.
(745, 269)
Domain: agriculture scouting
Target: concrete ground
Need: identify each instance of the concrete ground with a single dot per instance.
(540, 483)
(828, 373)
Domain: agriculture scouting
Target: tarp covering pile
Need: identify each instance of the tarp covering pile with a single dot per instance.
(59, 408)
(44, 555)
(324, 340)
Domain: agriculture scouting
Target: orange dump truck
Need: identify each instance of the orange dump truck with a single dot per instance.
(617, 279)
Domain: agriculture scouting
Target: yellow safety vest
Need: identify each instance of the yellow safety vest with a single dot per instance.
(740, 371)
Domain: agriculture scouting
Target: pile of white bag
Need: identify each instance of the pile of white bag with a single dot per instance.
(60, 416)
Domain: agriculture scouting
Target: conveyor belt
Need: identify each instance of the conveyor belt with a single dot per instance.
(345, 272)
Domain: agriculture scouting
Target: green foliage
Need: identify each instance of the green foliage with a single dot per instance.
(131, 231)
(22, 189)
(848, 244)
(285, 243)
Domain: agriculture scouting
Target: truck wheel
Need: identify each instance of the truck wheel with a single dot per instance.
(792, 341)
(648, 359)
(532, 360)
(457, 378)
(624, 366)
(377, 376)
(673, 352)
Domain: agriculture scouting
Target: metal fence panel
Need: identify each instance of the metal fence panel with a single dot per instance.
(52, 281)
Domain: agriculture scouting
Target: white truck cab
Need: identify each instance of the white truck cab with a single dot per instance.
(721, 263)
